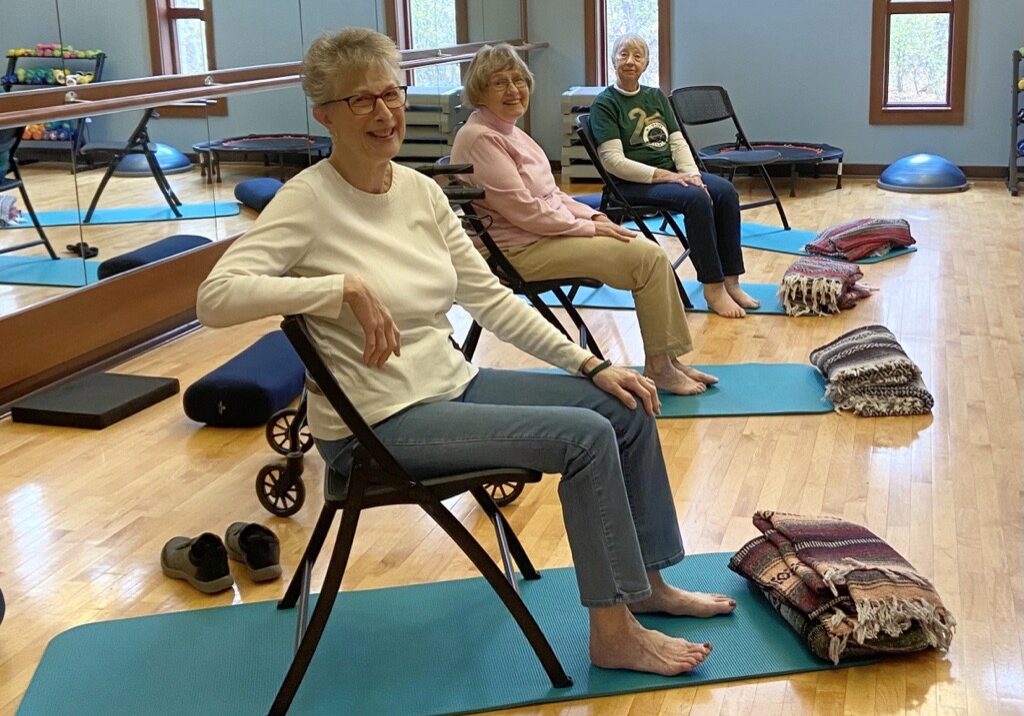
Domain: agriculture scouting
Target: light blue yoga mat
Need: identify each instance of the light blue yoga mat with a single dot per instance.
(448, 647)
(619, 299)
(775, 238)
(748, 389)
(44, 271)
(134, 214)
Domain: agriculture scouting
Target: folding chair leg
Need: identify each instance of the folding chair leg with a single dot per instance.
(316, 542)
(322, 611)
(513, 602)
(586, 338)
(548, 315)
(161, 182)
(35, 222)
(515, 547)
(103, 185)
(775, 196)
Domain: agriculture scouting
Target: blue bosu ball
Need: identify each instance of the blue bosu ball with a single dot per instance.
(170, 160)
(923, 173)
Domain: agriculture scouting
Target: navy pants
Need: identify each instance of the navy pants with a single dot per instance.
(711, 221)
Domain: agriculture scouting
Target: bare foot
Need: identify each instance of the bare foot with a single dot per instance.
(721, 302)
(738, 295)
(666, 599)
(638, 649)
(698, 375)
(672, 380)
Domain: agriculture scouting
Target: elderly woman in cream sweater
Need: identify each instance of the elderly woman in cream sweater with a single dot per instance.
(370, 252)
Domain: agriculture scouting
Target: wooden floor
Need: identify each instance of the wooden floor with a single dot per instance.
(83, 514)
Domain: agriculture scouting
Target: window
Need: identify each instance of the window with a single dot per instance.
(607, 20)
(181, 43)
(423, 24)
(918, 61)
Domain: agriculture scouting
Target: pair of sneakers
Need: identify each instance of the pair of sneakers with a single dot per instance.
(203, 561)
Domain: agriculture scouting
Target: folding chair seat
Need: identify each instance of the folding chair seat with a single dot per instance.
(709, 104)
(376, 479)
(461, 197)
(10, 138)
(618, 209)
(138, 143)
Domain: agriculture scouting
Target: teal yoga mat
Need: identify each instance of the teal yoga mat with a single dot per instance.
(447, 647)
(44, 271)
(615, 298)
(135, 214)
(748, 389)
(775, 238)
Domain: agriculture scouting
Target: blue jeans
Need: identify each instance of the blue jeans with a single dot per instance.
(712, 223)
(615, 495)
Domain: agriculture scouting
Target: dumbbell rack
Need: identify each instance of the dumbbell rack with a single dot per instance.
(576, 164)
(1016, 165)
(37, 149)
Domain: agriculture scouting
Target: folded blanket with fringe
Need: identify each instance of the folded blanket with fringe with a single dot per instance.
(869, 373)
(858, 239)
(817, 285)
(845, 590)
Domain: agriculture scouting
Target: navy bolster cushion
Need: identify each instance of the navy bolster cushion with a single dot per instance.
(148, 254)
(249, 388)
(257, 193)
(591, 200)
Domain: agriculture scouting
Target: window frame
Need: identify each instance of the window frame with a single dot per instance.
(597, 70)
(880, 112)
(163, 52)
(398, 25)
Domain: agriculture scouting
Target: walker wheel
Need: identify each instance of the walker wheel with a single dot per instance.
(278, 428)
(277, 495)
(505, 493)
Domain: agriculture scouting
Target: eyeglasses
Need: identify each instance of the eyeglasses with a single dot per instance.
(503, 83)
(393, 98)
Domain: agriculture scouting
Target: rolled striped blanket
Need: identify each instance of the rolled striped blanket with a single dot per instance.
(855, 240)
(817, 285)
(842, 587)
(869, 373)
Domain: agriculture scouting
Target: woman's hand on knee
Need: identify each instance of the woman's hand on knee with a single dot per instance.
(627, 385)
(379, 329)
(607, 228)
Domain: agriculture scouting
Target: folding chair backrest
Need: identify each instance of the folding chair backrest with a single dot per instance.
(611, 189)
(10, 138)
(702, 105)
(297, 331)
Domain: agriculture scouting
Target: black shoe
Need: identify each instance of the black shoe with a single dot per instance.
(255, 546)
(202, 562)
(83, 249)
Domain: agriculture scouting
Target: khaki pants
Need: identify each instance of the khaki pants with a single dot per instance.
(639, 265)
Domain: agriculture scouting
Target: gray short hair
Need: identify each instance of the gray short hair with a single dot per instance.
(488, 60)
(334, 58)
(631, 40)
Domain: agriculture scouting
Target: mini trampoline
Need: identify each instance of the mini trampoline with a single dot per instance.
(793, 153)
(254, 147)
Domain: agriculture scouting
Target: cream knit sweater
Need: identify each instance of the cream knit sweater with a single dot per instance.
(409, 247)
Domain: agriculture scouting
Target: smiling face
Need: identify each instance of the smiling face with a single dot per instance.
(507, 94)
(365, 138)
(631, 62)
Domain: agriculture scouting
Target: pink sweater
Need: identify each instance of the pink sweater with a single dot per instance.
(522, 198)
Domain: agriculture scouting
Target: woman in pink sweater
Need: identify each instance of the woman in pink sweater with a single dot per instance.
(546, 234)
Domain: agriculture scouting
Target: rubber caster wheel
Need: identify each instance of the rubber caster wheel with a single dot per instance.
(278, 427)
(274, 496)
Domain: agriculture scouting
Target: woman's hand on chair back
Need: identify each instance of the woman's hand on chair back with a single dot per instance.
(379, 329)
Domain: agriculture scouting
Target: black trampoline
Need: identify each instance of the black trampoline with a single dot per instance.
(254, 147)
(793, 153)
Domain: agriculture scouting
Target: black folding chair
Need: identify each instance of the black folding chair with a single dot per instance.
(377, 479)
(707, 104)
(138, 143)
(461, 197)
(618, 209)
(10, 138)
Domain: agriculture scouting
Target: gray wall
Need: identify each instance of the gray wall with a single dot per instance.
(797, 69)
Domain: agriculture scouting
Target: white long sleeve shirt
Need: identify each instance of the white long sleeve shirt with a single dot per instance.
(411, 250)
